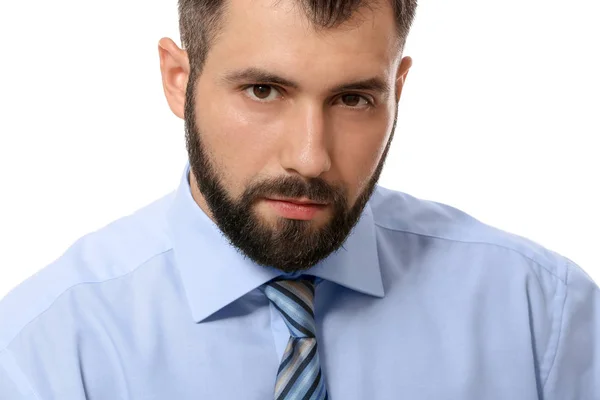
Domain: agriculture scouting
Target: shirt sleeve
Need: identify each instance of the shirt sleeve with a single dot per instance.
(13, 384)
(575, 372)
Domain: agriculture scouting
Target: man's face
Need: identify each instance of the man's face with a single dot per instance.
(285, 162)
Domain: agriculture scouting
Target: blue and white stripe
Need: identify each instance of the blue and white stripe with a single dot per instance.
(299, 376)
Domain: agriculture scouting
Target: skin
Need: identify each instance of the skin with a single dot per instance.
(303, 128)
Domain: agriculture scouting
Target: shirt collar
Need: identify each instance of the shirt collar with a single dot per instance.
(215, 274)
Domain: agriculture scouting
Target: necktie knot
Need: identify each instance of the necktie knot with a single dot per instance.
(294, 299)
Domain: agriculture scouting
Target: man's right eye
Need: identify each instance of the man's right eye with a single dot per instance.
(262, 93)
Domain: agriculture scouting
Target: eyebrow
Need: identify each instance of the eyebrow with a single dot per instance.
(258, 75)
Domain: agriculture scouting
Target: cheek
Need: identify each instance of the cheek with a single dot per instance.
(359, 151)
(239, 143)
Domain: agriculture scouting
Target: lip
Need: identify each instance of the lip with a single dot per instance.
(296, 209)
(301, 201)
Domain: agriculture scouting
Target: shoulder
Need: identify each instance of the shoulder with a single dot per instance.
(402, 214)
(528, 292)
(105, 255)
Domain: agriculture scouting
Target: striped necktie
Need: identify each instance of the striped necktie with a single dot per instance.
(299, 376)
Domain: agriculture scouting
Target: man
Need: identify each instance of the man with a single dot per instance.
(279, 269)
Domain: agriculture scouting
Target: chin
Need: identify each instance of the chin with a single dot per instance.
(317, 222)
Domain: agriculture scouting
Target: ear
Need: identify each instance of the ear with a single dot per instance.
(175, 71)
(401, 75)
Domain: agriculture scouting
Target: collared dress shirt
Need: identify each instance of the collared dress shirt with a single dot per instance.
(421, 302)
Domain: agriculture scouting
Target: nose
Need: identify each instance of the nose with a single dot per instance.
(305, 143)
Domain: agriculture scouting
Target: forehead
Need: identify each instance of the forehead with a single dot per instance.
(277, 35)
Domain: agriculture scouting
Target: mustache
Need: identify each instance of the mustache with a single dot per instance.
(313, 189)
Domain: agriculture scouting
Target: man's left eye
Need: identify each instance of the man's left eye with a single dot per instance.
(355, 100)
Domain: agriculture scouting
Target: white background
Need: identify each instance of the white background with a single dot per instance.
(499, 117)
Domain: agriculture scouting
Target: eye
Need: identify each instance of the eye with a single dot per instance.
(262, 93)
(355, 101)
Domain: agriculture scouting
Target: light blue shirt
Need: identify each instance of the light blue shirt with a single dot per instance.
(422, 302)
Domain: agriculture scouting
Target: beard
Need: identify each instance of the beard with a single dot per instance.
(290, 245)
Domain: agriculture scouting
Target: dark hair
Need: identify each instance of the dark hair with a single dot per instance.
(199, 21)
